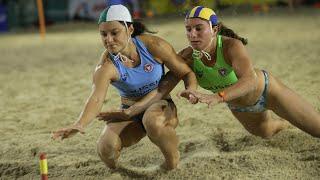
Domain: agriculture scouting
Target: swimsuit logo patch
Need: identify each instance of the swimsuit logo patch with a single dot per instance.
(222, 72)
(148, 67)
(124, 77)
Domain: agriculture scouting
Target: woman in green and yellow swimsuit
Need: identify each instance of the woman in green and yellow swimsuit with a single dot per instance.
(222, 65)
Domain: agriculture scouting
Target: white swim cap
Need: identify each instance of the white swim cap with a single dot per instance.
(115, 13)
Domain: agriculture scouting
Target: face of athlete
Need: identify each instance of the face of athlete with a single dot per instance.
(199, 33)
(114, 35)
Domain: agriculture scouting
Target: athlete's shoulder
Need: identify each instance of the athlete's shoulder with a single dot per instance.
(151, 40)
(156, 45)
(105, 67)
(104, 58)
(231, 42)
(233, 49)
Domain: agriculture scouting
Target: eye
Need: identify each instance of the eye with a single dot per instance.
(102, 33)
(188, 29)
(198, 28)
(114, 33)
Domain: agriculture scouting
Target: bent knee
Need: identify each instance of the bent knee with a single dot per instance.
(153, 125)
(107, 148)
(262, 131)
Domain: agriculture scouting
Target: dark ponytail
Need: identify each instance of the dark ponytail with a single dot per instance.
(223, 30)
(139, 28)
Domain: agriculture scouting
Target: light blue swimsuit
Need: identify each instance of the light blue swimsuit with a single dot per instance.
(140, 80)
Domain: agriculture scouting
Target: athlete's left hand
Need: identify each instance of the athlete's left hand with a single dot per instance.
(114, 115)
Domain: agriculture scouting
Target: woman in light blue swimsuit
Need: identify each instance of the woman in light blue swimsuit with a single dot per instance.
(133, 63)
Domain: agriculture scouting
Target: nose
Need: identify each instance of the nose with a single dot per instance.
(192, 33)
(108, 39)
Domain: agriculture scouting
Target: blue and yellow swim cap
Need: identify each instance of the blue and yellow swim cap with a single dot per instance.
(204, 13)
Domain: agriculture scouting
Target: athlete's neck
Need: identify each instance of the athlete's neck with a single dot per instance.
(130, 51)
(211, 49)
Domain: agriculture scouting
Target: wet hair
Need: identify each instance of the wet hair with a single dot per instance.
(225, 31)
(139, 28)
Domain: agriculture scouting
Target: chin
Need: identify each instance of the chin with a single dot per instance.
(196, 47)
(112, 50)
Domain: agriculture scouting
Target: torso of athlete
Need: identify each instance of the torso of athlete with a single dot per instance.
(217, 74)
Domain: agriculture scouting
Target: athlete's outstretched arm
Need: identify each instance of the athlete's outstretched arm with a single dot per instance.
(101, 80)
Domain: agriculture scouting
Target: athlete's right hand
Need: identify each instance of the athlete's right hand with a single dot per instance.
(189, 95)
(67, 132)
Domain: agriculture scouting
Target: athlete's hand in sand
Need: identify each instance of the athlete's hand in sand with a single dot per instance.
(189, 96)
(67, 132)
(114, 116)
(210, 99)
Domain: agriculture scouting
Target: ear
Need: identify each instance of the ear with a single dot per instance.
(130, 29)
(215, 30)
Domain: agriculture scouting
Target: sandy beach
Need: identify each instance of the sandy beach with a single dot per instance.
(45, 84)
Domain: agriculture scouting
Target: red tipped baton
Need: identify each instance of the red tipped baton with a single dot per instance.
(43, 167)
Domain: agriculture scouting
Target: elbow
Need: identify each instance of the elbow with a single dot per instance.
(186, 74)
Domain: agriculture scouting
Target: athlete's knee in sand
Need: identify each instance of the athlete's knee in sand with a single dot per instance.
(267, 130)
(261, 131)
(261, 124)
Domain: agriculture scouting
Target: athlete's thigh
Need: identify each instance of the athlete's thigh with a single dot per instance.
(292, 107)
(164, 112)
(253, 122)
(129, 132)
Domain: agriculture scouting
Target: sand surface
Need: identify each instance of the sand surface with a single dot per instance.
(44, 85)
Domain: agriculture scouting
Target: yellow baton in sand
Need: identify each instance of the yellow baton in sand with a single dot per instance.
(43, 167)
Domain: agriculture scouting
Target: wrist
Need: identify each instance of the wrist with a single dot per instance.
(222, 96)
(79, 125)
